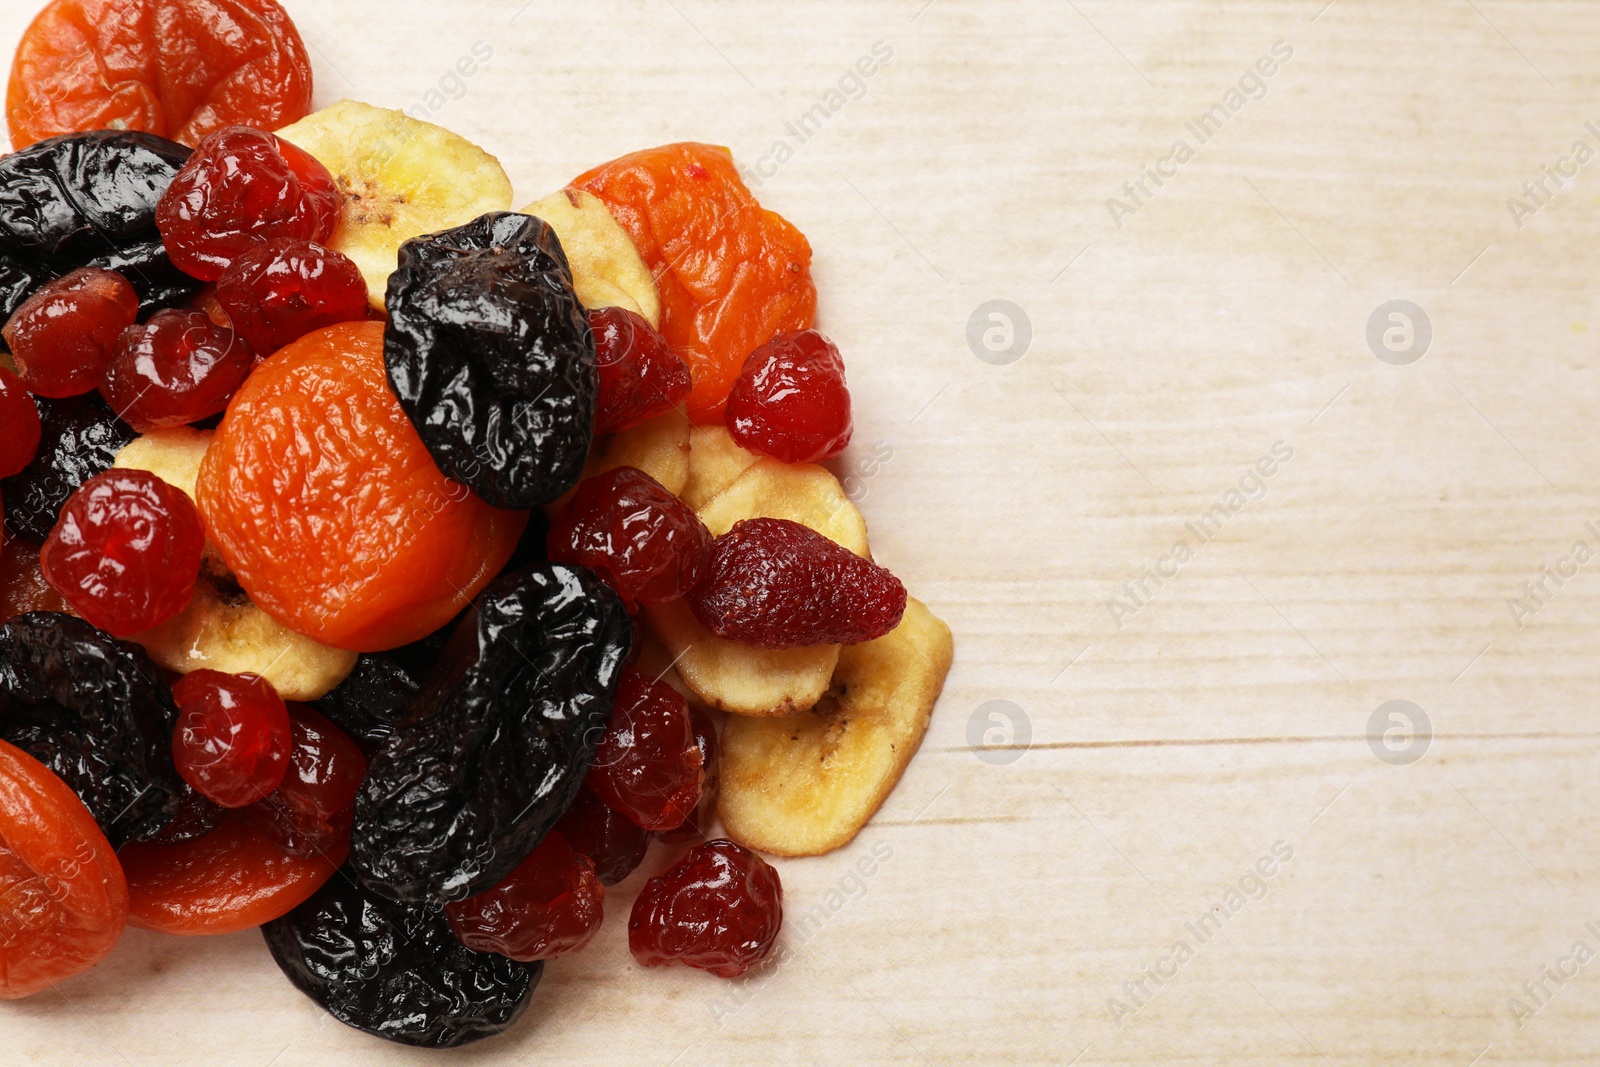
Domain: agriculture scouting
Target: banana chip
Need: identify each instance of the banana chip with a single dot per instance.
(607, 270)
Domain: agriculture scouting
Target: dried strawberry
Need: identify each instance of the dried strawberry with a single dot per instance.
(790, 400)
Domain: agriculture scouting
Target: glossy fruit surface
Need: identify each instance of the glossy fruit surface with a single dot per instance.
(179, 367)
(615, 843)
(126, 551)
(718, 909)
(551, 905)
(331, 513)
(778, 584)
(63, 899)
(698, 824)
(178, 68)
(196, 817)
(242, 187)
(63, 335)
(640, 375)
(643, 541)
(283, 289)
(19, 425)
(310, 812)
(790, 400)
(648, 763)
(22, 585)
(79, 438)
(232, 741)
(232, 878)
(731, 274)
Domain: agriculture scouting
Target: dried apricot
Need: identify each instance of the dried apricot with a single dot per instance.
(330, 512)
(63, 899)
(731, 274)
(178, 68)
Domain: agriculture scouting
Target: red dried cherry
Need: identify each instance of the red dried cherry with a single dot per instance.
(125, 552)
(240, 188)
(62, 335)
(311, 812)
(178, 368)
(778, 584)
(551, 905)
(615, 843)
(19, 425)
(280, 291)
(699, 820)
(719, 909)
(640, 375)
(232, 740)
(640, 539)
(22, 585)
(648, 763)
(790, 400)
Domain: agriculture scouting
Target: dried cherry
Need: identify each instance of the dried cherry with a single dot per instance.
(79, 437)
(232, 741)
(719, 909)
(699, 821)
(63, 899)
(497, 743)
(63, 335)
(551, 905)
(310, 812)
(22, 585)
(492, 358)
(176, 369)
(283, 289)
(625, 526)
(19, 425)
(615, 843)
(96, 712)
(396, 970)
(640, 375)
(648, 763)
(778, 584)
(790, 400)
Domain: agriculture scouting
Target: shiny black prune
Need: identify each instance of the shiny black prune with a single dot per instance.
(96, 711)
(496, 745)
(80, 438)
(368, 703)
(394, 970)
(196, 817)
(18, 279)
(492, 357)
(90, 199)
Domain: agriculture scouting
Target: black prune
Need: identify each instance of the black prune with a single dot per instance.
(196, 817)
(19, 277)
(496, 745)
(492, 357)
(394, 970)
(90, 199)
(368, 703)
(80, 438)
(96, 711)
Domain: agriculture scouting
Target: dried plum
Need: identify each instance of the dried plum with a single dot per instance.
(81, 437)
(368, 703)
(496, 745)
(89, 199)
(394, 970)
(96, 711)
(492, 357)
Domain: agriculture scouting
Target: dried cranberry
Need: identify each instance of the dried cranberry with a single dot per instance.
(790, 400)
(126, 551)
(280, 291)
(648, 763)
(178, 368)
(242, 187)
(19, 425)
(719, 909)
(699, 821)
(63, 334)
(232, 741)
(615, 843)
(551, 905)
(643, 541)
(312, 810)
(640, 375)
(778, 584)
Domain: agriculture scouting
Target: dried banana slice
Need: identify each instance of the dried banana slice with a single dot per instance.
(801, 492)
(741, 679)
(607, 270)
(400, 178)
(658, 446)
(806, 785)
(714, 462)
(173, 455)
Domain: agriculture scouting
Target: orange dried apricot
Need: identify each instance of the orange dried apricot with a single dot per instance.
(178, 68)
(731, 274)
(327, 507)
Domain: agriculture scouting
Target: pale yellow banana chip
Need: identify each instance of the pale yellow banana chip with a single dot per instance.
(807, 784)
(801, 492)
(741, 679)
(400, 178)
(172, 455)
(714, 462)
(658, 446)
(607, 270)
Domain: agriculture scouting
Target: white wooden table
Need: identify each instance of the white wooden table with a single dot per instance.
(1173, 744)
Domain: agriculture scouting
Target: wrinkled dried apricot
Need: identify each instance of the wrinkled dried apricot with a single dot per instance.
(178, 68)
(731, 274)
(330, 512)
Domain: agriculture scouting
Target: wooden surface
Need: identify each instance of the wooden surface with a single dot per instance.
(1229, 713)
